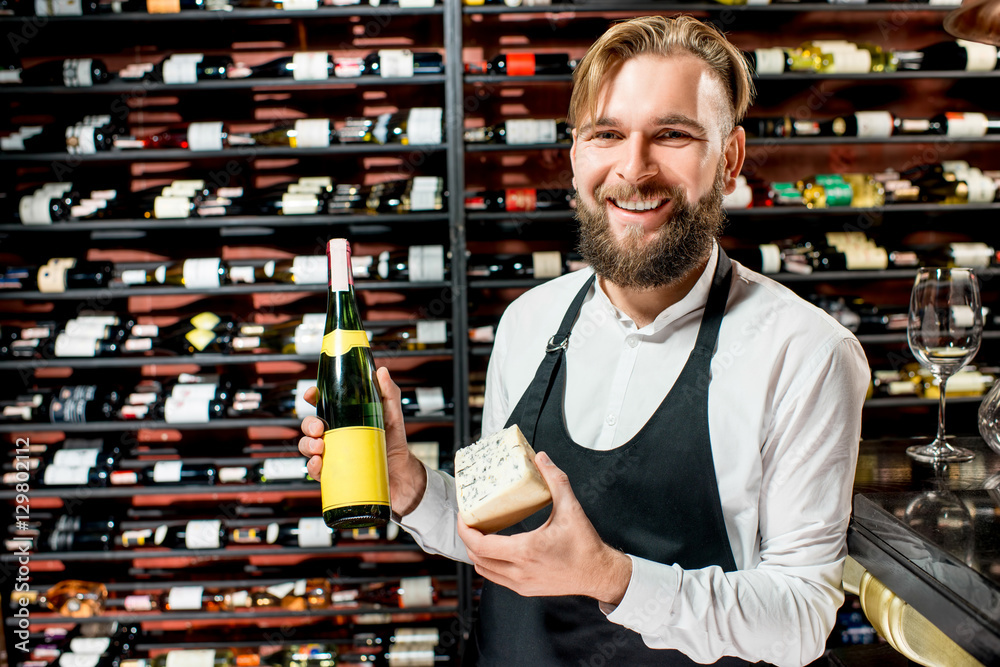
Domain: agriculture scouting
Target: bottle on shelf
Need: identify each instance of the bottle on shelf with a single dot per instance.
(524, 64)
(167, 472)
(419, 263)
(960, 54)
(183, 68)
(198, 136)
(70, 73)
(186, 658)
(301, 133)
(183, 598)
(417, 126)
(355, 484)
(425, 401)
(521, 131)
(538, 265)
(519, 200)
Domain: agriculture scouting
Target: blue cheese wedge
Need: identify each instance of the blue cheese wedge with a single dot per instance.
(497, 481)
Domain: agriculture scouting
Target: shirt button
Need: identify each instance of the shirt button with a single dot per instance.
(611, 420)
(633, 341)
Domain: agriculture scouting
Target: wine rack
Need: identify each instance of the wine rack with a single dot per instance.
(455, 30)
(262, 29)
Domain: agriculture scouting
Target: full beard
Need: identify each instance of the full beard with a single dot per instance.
(676, 248)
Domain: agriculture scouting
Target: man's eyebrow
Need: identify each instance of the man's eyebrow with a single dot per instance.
(671, 119)
(603, 121)
(681, 119)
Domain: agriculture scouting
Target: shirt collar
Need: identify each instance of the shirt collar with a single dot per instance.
(694, 300)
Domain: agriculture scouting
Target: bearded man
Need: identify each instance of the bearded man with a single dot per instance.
(696, 422)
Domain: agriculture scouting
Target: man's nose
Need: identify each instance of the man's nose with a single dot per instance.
(637, 163)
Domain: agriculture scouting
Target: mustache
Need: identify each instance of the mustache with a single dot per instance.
(628, 191)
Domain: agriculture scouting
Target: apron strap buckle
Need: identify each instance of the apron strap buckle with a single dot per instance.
(553, 346)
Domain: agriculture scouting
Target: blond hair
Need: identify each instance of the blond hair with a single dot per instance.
(662, 36)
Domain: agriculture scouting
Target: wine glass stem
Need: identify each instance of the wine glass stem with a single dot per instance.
(942, 382)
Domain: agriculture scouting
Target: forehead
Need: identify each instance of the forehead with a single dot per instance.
(653, 86)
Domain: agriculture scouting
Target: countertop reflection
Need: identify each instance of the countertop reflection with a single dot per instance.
(932, 535)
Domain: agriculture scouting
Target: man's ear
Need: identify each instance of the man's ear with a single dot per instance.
(572, 157)
(734, 153)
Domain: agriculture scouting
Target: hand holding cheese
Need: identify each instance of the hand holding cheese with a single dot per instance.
(497, 481)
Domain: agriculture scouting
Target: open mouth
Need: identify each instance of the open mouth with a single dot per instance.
(640, 205)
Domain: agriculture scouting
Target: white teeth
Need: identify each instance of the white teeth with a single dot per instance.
(644, 205)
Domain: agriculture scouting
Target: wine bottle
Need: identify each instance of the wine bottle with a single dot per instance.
(76, 598)
(402, 63)
(422, 263)
(301, 133)
(167, 472)
(71, 73)
(355, 482)
(521, 131)
(301, 66)
(958, 55)
(200, 136)
(57, 476)
(183, 598)
(206, 321)
(964, 124)
(187, 68)
(548, 264)
(196, 273)
(186, 658)
(307, 533)
(425, 401)
(524, 64)
(423, 335)
(408, 592)
(197, 534)
(83, 403)
(69, 273)
(420, 125)
(422, 193)
(519, 200)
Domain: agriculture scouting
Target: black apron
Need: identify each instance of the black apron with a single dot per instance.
(655, 497)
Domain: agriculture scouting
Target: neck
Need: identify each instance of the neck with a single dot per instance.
(643, 305)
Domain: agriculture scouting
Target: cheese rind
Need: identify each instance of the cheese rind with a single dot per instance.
(497, 482)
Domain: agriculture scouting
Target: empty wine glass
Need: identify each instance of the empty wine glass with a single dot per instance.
(944, 330)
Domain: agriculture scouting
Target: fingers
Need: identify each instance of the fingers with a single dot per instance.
(311, 444)
(556, 479)
(311, 395)
(391, 403)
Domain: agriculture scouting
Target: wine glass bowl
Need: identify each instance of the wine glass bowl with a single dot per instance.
(944, 331)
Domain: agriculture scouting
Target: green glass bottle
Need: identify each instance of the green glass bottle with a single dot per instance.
(355, 479)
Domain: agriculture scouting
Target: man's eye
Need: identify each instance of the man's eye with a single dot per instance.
(675, 134)
(604, 135)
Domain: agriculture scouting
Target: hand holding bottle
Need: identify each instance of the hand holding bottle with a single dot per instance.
(407, 478)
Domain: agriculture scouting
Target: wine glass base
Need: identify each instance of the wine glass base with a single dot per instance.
(938, 452)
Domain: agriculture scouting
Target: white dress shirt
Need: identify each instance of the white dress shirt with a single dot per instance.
(788, 385)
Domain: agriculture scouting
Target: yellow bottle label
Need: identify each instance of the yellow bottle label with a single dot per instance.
(205, 320)
(354, 467)
(200, 338)
(339, 341)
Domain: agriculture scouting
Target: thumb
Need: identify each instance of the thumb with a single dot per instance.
(556, 479)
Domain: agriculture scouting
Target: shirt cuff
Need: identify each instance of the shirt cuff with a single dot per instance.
(432, 506)
(649, 599)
